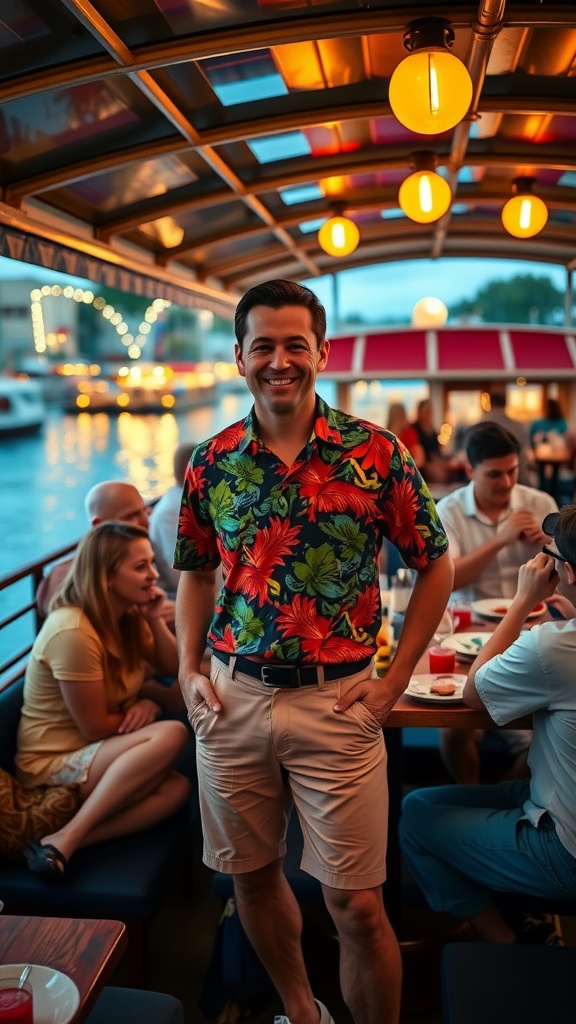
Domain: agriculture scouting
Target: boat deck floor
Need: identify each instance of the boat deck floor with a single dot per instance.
(183, 933)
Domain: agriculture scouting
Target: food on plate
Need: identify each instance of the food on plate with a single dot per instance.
(443, 686)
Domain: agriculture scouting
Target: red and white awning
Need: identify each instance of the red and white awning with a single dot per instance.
(453, 352)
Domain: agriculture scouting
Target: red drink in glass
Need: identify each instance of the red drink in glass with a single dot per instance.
(462, 616)
(16, 1004)
(442, 660)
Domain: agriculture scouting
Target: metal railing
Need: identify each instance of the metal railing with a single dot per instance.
(14, 651)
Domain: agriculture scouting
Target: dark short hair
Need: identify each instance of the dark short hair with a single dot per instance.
(488, 440)
(562, 526)
(275, 295)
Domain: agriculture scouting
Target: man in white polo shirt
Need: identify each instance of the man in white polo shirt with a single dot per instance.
(493, 527)
(493, 524)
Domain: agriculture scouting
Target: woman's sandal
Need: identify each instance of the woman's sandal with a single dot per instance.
(45, 860)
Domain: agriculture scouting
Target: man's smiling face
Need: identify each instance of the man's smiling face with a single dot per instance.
(280, 359)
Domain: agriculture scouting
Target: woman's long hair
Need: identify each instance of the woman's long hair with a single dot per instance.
(98, 557)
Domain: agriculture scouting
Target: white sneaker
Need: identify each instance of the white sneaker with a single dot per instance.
(325, 1017)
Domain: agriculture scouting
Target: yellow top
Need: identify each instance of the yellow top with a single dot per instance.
(67, 648)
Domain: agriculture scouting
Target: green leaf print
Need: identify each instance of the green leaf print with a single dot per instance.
(289, 650)
(348, 532)
(251, 627)
(320, 572)
(279, 501)
(221, 507)
(248, 476)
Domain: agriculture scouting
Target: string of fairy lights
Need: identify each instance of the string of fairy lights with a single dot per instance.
(50, 340)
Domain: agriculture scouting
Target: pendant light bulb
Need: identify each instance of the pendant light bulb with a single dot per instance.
(339, 236)
(524, 215)
(424, 196)
(431, 90)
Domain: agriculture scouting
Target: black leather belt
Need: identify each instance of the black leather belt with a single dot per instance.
(292, 676)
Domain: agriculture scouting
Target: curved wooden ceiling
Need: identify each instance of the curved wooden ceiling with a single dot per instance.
(205, 140)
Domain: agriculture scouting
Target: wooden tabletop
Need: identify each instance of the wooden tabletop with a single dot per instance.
(85, 950)
(410, 712)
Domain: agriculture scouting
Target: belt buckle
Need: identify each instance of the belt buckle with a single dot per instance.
(264, 672)
(267, 676)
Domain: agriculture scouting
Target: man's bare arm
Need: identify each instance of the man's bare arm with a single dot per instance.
(427, 603)
(194, 610)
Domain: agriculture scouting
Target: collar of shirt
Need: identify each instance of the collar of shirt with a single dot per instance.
(471, 509)
(325, 429)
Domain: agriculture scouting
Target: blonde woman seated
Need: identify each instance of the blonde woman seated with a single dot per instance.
(399, 424)
(83, 720)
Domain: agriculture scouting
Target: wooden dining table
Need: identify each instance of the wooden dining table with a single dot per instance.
(85, 950)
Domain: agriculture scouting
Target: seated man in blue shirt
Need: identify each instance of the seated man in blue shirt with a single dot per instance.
(463, 842)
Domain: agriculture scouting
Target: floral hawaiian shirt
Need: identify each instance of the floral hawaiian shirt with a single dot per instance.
(299, 546)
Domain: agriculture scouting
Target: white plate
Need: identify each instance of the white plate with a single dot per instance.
(54, 995)
(419, 688)
(466, 645)
(495, 609)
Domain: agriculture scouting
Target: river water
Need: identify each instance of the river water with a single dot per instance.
(45, 477)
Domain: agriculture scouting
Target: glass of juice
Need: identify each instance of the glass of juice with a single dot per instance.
(462, 615)
(15, 1001)
(442, 660)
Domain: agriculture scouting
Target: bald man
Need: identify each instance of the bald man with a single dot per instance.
(109, 500)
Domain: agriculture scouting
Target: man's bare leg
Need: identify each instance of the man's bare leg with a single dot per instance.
(272, 921)
(370, 960)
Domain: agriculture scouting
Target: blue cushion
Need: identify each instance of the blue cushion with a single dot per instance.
(10, 705)
(122, 877)
(484, 981)
(133, 1006)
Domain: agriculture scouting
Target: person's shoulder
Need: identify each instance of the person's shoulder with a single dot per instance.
(531, 497)
(64, 618)
(169, 499)
(455, 499)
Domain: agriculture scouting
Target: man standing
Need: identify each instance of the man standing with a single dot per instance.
(493, 525)
(294, 502)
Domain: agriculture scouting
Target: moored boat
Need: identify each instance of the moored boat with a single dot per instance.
(22, 408)
(141, 389)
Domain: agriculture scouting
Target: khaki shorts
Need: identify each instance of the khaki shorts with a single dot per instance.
(269, 748)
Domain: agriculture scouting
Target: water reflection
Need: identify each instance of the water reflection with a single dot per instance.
(145, 448)
(44, 478)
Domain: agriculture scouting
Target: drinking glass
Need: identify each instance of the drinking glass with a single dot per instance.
(442, 660)
(461, 615)
(15, 1001)
(445, 627)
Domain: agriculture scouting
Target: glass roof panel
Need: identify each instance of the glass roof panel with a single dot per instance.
(300, 194)
(244, 77)
(279, 147)
(308, 226)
